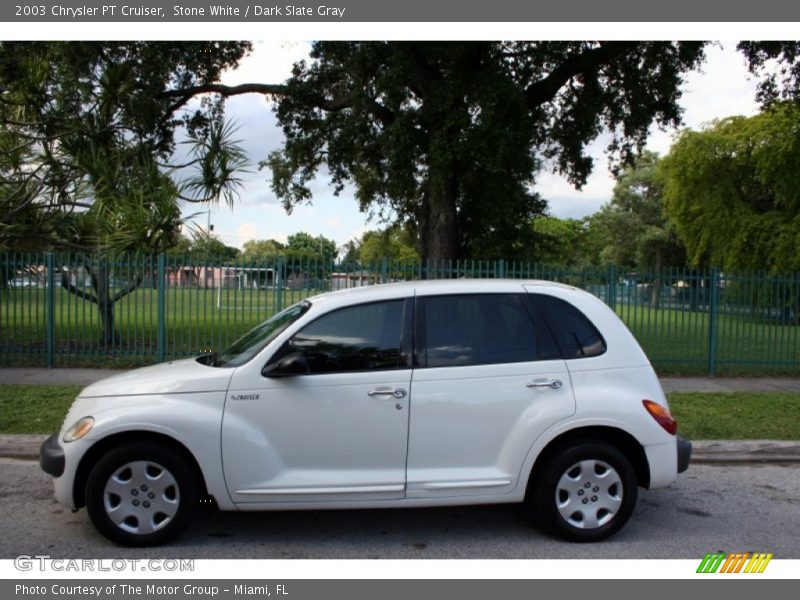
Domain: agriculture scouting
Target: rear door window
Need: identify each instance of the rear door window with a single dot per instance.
(476, 329)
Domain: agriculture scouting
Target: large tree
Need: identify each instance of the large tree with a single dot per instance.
(451, 136)
(634, 226)
(395, 243)
(777, 65)
(202, 247)
(78, 118)
(733, 190)
(304, 247)
(562, 242)
(262, 251)
(87, 151)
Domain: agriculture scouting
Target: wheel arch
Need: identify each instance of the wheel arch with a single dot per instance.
(99, 448)
(620, 439)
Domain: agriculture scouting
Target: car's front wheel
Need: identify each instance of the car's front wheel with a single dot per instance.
(141, 494)
(584, 492)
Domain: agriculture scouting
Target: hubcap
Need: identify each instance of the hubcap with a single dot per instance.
(589, 494)
(141, 497)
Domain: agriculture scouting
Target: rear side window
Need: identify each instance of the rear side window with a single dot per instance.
(358, 338)
(574, 332)
(474, 329)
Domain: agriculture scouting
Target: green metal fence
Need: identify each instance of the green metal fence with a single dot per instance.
(78, 310)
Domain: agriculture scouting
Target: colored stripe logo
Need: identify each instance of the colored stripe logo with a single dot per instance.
(736, 562)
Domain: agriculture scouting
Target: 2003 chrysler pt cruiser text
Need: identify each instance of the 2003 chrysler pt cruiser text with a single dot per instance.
(409, 394)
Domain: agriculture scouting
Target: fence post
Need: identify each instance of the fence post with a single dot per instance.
(281, 279)
(385, 270)
(611, 293)
(50, 310)
(713, 314)
(161, 342)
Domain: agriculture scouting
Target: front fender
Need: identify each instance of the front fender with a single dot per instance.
(193, 420)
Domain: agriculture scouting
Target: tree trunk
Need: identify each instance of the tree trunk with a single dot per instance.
(439, 219)
(102, 296)
(657, 281)
(694, 291)
(101, 285)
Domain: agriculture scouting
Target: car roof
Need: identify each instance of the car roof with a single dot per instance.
(433, 286)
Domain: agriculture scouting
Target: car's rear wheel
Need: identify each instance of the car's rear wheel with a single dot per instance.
(584, 492)
(141, 494)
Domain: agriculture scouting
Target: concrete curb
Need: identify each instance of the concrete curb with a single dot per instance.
(21, 446)
(720, 452)
(745, 451)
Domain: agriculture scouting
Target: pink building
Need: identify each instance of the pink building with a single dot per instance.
(225, 276)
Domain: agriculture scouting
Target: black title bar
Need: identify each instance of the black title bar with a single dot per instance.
(401, 11)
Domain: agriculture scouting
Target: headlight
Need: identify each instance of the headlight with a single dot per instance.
(79, 429)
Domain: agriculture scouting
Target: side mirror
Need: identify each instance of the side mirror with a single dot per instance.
(288, 366)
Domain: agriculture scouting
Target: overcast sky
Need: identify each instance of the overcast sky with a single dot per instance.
(723, 88)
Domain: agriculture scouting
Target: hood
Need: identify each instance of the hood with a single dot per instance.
(177, 377)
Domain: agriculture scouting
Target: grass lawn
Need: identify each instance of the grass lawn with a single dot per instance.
(745, 415)
(199, 319)
(740, 415)
(34, 408)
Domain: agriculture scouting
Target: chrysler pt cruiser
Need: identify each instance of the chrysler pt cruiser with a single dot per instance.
(411, 394)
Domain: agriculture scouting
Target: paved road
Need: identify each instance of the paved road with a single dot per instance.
(728, 508)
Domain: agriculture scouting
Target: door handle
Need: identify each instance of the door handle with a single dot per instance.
(390, 392)
(548, 383)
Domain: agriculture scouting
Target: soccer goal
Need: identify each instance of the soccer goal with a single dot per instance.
(246, 288)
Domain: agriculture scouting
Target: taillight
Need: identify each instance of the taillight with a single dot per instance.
(662, 416)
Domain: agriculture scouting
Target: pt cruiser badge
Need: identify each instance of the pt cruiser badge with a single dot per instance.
(245, 396)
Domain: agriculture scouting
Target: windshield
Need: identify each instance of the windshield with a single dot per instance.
(252, 342)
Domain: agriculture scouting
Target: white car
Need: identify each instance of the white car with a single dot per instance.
(413, 394)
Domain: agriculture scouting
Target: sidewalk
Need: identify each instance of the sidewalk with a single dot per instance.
(26, 447)
(730, 384)
(34, 375)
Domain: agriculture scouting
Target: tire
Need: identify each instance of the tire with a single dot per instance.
(141, 494)
(583, 492)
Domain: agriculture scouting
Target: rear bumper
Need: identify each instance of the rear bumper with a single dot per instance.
(51, 457)
(684, 453)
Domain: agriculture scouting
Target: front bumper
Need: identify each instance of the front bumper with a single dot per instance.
(51, 457)
(684, 453)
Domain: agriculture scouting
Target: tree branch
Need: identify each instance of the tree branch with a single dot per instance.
(133, 285)
(195, 200)
(545, 90)
(267, 89)
(73, 290)
(227, 90)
